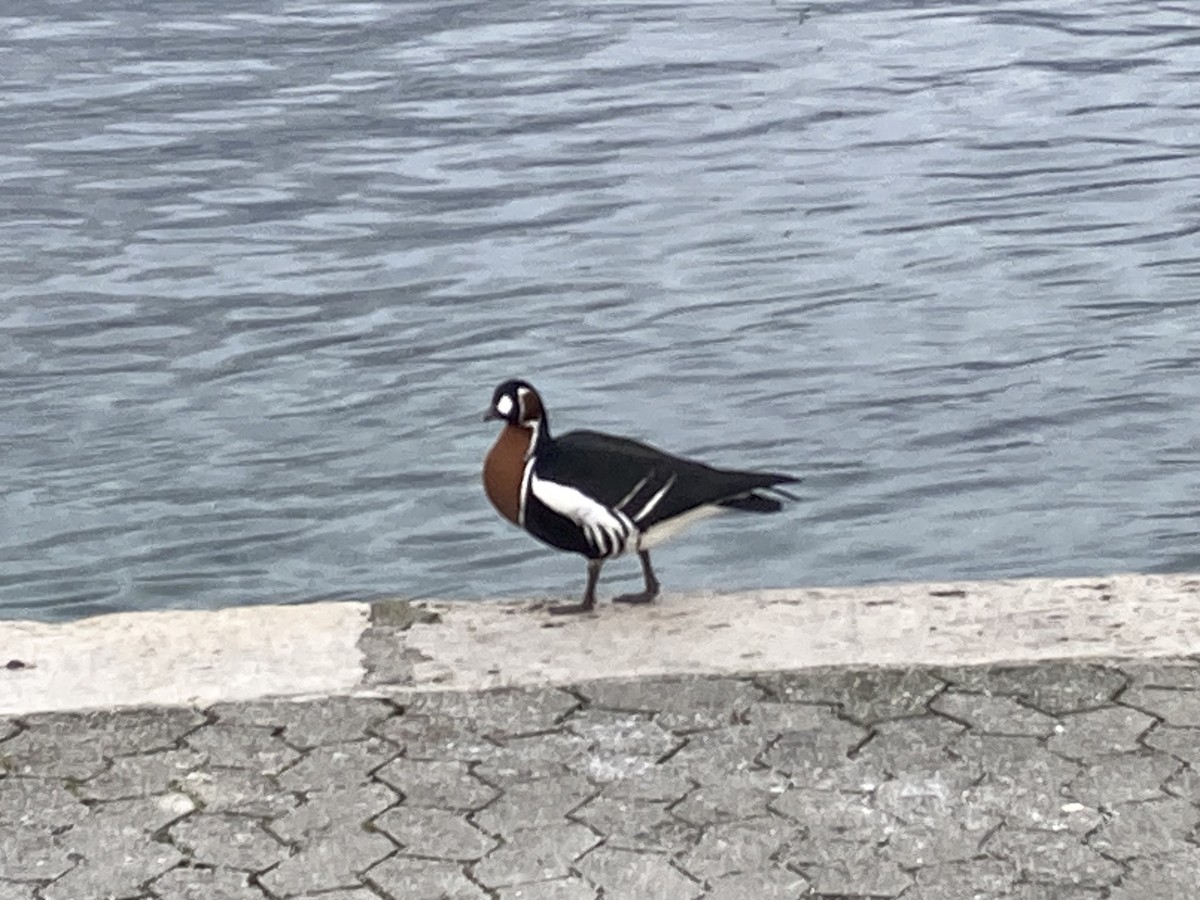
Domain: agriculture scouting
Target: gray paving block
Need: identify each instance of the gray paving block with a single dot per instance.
(682, 704)
(867, 695)
(142, 775)
(11, 890)
(965, 880)
(767, 883)
(732, 749)
(1147, 829)
(510, 711)
(1110, 729)
(535, 854)
(536, 803)
(667, 783)
(727, 797)
(336, 860)
(1164, 673)
(339, 809)
(116, 848)
(516, 760)
(860, 872)
(435, 737)
(730, 848)
(621, 734)
(904, 744)
(238, 791)
(1176, 706)
(1182, 743)
(1035, 792)
(808, 754)
(242, 747)
(342, 765)
(830, 820)
(638, 824)
(308, 723)
(627, 875)
(234, 842)
(406, 877)
(189, 883)
(33, 853)
(1052, 687)
(919, 797)
(445, 784)
(435, 833)
(559, 889)
(993, 714)
(1053, 857)
(1184, 784)
(78, 745)
(1176, 875)
(1124, 778)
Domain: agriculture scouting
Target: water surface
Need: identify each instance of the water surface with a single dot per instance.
(264, 262)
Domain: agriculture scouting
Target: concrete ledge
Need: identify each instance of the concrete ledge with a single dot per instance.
(246, 653)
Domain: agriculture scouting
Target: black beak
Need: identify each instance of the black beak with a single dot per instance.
(491, 414)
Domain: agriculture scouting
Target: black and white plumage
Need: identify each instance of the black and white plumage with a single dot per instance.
(604, 496)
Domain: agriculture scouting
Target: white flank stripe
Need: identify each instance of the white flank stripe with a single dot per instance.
(654, 501)
(663, 531)
(604, 529)
(637, 487)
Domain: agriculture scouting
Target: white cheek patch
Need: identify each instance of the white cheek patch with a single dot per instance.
(504, 405)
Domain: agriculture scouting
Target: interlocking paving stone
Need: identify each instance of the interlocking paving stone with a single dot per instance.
(238, 791)
(1124, 778)
(1113, 729)
(446, 784)
(627, 875)
(1183, 673)
(559, 889)
(904, 744)
(1182, 743)
(741, 795)
(305, 724)
(760, 788)
(521, 759)
(681, 704)
(535, 854)
(536, 803)
(79, 746)
(1146, 829)
(142, 775)
(860, 872)
(236, 842)
(1053, 857)
(335, 860)
(638, 825)
(403, 876)
(243, 747)
(1166, 876)
(435, 737)
(117, 849)
(768, 883)
(345, 764)
(336, 809)
(993, 714)
(865, 695)
(191, 883)
(1052, 687)
(1177, 707)
(499, 712)
(735, 847)
(436, 833)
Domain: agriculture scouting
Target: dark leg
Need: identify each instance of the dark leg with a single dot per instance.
(651, 590)
(589, 592)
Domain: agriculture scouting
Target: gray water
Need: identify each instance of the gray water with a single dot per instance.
(262, 264)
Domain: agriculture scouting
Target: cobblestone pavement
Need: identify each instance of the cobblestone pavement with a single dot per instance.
(1056, 781)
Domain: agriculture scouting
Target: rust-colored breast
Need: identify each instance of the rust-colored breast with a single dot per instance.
(504, 468)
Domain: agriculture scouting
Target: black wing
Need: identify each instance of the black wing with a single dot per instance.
(646, 484)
